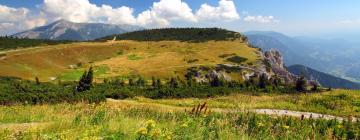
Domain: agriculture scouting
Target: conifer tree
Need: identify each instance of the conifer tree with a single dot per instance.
(85, 81)
(131, 82)
(300, 84)
(173, 83)
(37, 81)
(262, 81)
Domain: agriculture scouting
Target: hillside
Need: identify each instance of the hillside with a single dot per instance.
(66, 30)
(179, 34)
(326, 80)
(131, 58)
(8, 43)
(337, 57)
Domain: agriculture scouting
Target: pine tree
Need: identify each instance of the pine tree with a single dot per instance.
(300, 84)
(173, 83)
(153, 82)
(140, 82)
(216, 82)
(131, 82)
(37, 81)
(262, 81)
(89, 78)
(158, 83)
(85, 81)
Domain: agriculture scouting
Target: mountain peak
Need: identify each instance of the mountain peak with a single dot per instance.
(62, 21)
(67, 30)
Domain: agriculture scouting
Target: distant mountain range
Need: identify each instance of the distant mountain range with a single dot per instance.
(337, 57)
(326, 80)
(66, 30)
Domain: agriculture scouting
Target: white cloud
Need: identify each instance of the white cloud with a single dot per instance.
(17, 19)
(226, 10)
(84, 11)
(161, 13)
(261, 19)
(164, 11)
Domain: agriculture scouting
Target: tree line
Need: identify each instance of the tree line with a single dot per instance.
(179, 34)
(19, 91)
(11, 42)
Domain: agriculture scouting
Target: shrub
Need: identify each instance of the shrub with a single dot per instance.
(236, 59)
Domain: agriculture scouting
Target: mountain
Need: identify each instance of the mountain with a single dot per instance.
(293, 51)
(66, 30)
(198, 53)
(326, 80)
(338, 57)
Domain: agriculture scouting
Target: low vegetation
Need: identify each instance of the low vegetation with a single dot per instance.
(179, 34)
(7, 43)
(131, 120)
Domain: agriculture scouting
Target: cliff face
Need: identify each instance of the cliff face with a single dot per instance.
(274, 61)
(271, 65)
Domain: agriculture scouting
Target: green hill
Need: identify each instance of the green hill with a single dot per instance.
(324, 79)
(178, 34)
(7, 43)
(167, 53)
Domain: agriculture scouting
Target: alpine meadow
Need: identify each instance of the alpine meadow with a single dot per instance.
(179, 70)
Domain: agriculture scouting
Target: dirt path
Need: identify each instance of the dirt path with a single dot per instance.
(272, 112)
(299, 114)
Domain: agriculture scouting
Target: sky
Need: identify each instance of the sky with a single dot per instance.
(292, 17)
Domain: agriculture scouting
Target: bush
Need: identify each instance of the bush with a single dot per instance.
(237, 59)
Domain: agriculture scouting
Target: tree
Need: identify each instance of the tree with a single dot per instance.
(140, 82)
(315, 87)
(85, 81)
(131, 82)
(37, 81)
(158, 83)
(262, 81)
(216, 82)
(153, 82)
(173, 83)
(300, 84)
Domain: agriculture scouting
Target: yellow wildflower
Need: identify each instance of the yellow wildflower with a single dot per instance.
(286, 127)
(260, 124)
(142, 131)
(156, 133)
(184, 125)
(150, 123)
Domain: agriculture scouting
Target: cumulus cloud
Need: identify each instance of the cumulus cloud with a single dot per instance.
(16, 19)
(164, 11)
(226, 10)
(161, 13)
(84, 11)
(261, 19)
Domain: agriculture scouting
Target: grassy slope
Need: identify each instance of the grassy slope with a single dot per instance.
(162, 59)
(123, 119)
(336, 102)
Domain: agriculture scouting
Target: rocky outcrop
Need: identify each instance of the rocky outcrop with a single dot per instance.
(274, 61)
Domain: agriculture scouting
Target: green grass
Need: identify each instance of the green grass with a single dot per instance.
(162, 59)
(336, 102)
(130, 119)
(134, 57)
(74, 75)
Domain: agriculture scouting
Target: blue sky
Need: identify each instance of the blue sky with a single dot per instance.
(293, 17)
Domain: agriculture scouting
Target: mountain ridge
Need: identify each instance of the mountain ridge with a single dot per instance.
(66, 30)
(324, 79)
